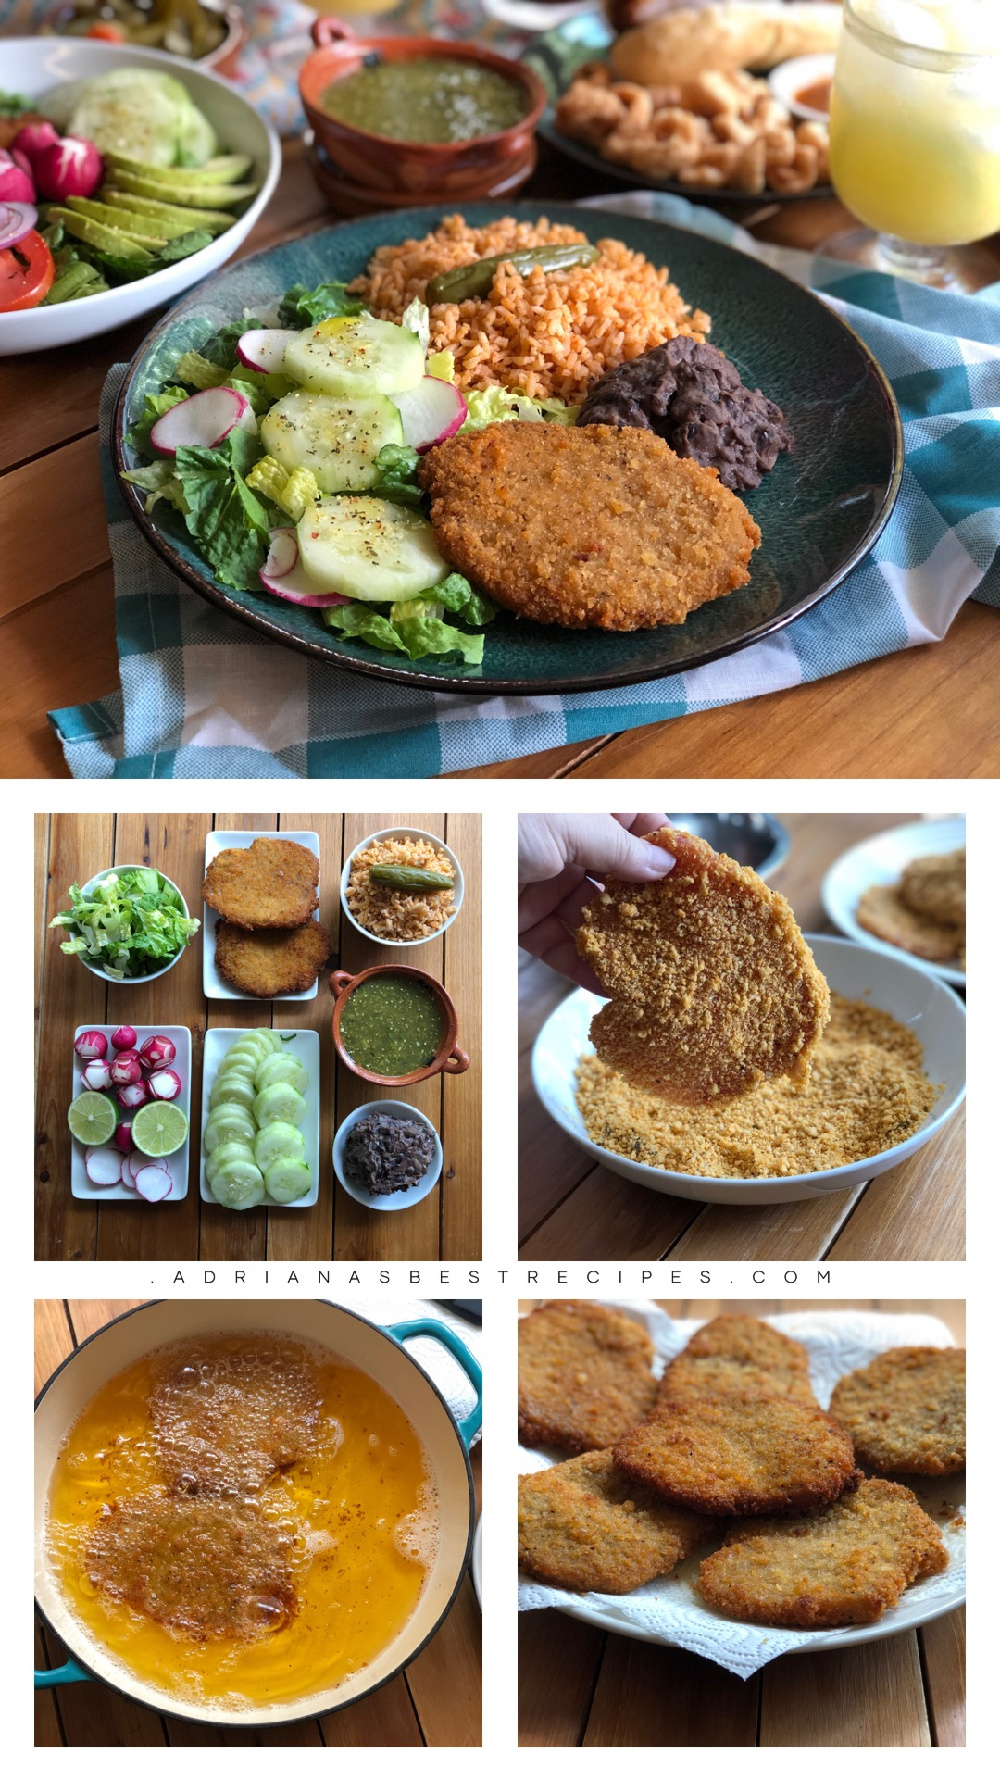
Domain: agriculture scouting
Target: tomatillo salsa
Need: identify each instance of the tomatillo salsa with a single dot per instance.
(392, 1025)
(426, 99)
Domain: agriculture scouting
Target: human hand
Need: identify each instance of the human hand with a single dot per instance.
(562, 862)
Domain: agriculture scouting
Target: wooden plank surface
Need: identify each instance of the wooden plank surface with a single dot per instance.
(446, 1226)
(435, 1702)
(930, 710)
(571, 1209)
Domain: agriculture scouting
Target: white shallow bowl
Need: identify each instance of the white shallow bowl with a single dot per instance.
(792, 76)
(218, 840)
(305, 1045)
(414, 1194)
(32, 65)
(178, 1163)
(136, 981)
(916, 999)
(403, 833)
(882, 859)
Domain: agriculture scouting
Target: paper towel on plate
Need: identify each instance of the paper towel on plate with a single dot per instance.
(670, 1610)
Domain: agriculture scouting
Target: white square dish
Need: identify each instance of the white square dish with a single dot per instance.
(305, 1045)
(215, 987)
(178, 1164)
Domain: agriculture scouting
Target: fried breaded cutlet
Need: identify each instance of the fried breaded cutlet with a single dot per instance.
(883, 912)
(201, 1568)
(936, 886)
(271, 962)
(269, 883)
(748, 1453)
(584, 1376)
(845, 1565)
(906, 1410)
(587, 1526)
(713, 987)
(591, 527)
(734, 1354)
(225, 1422)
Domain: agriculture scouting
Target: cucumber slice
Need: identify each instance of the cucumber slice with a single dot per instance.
(287, 1180)
(282, 1071)
(232, 1089)
(355, 355)
(250, 1055)
(233, 1063)
(229, 1124)
(338, 440)
(279, 1104)
(143, 113)
(367, 548)
(278, 1142)
(239, 1188)
(226, 1152)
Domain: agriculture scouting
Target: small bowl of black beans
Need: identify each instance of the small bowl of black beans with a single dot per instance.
(387, 1155)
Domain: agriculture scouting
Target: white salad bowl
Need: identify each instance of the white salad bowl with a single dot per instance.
(32, 66)
(403, 833)
(925, 1006)
(134, 981)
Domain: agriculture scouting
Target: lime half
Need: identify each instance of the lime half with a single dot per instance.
(159, 1129)
(93, 1119)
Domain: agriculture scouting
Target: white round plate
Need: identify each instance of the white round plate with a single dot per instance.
(882, 859)
(32, 65)
(891, 983)
(403, 833)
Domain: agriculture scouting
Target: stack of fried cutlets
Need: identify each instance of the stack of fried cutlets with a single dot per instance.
(730, 1447)
(266, 941)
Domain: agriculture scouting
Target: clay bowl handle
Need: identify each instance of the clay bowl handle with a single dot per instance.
(326, 31)
(456, 1063)
(339, 978)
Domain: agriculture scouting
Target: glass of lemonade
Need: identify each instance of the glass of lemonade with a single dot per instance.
(915, 132)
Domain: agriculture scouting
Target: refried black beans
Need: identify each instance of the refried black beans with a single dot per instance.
(693, 398)
(388, 1154)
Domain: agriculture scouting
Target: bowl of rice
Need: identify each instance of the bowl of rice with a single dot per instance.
(400, 916)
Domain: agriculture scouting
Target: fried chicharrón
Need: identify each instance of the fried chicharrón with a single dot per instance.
(846, 1565)
(906, 1410)
(271, 962)
(269, 883)
(224, 1422)
(739, 1454)
(202, 1568)
(584, 1376)
(594, 527)
(587, 1526)
(713, 987)
(736, 1355)
(883, 912)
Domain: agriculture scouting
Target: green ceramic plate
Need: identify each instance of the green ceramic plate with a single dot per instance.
(820, 510)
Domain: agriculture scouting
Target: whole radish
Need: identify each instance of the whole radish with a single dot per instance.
(32, 138)
(124, 1038)
(126, 1068)
(164, 1084)
(123, 1134)
(97, 1076)
(157, 1052)
(91, 1045)
(133, 1095)
(71, 168)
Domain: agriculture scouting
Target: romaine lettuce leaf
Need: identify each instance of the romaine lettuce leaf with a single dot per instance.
(230, 524)
(302, 307)
(486, 406)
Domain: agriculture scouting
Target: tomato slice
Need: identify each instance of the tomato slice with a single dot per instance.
(27, 272)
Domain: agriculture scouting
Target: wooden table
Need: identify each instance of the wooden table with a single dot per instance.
(580, 1687)
(570, 1209)
(446, 1225)
(929, 711)
(436, 1702)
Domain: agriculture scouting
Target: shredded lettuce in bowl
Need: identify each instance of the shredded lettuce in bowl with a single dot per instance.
(130, 923)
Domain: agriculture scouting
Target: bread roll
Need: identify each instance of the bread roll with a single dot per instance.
(681, 45)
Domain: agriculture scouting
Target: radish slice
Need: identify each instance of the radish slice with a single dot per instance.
(104, 1166)
(127, 1178)
(153, 1183)
(282, 575)
(263, 348)
(431, 412)
(203, 419)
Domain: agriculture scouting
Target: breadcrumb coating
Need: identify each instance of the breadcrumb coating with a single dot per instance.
(587, 1526)
(734, 1355)
(584, 1376)
(906, 1410)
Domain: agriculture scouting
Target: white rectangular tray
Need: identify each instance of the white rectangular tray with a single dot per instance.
(178, 1163)
(216, 842)
(305, 1045)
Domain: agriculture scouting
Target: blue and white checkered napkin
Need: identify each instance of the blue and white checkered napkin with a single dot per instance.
(202, 697)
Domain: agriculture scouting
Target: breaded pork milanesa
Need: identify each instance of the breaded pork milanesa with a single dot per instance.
(224, 1422)
(740, 1454)
(883, 912)
(587, 1526)
(269, 883)
(936, 886)
(845, 1565)
(713, 987)
(734, 1354)
(906, 1410)
(267, 963)
(591, 527)
(584, 1376)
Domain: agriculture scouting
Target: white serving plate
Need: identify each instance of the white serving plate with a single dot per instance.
(179, 1163)
(306, 1047)
(414, 1194)
(890, 982)
(214, 986)
(882, 859)
(403, 833)
(32, 65)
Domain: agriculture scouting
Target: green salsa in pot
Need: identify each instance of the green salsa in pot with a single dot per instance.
(392, 1025)
(426, 99)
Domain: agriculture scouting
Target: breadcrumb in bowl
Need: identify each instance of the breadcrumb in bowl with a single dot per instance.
(399, 917)
(927, 1008)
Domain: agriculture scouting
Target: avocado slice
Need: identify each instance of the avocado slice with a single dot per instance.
(218, 196)
(225, 169)
(146, 235)
(153, 210)
(116, 242)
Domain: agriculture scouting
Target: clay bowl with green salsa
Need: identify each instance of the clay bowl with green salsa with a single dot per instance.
(420, 115)
(394, 1025)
